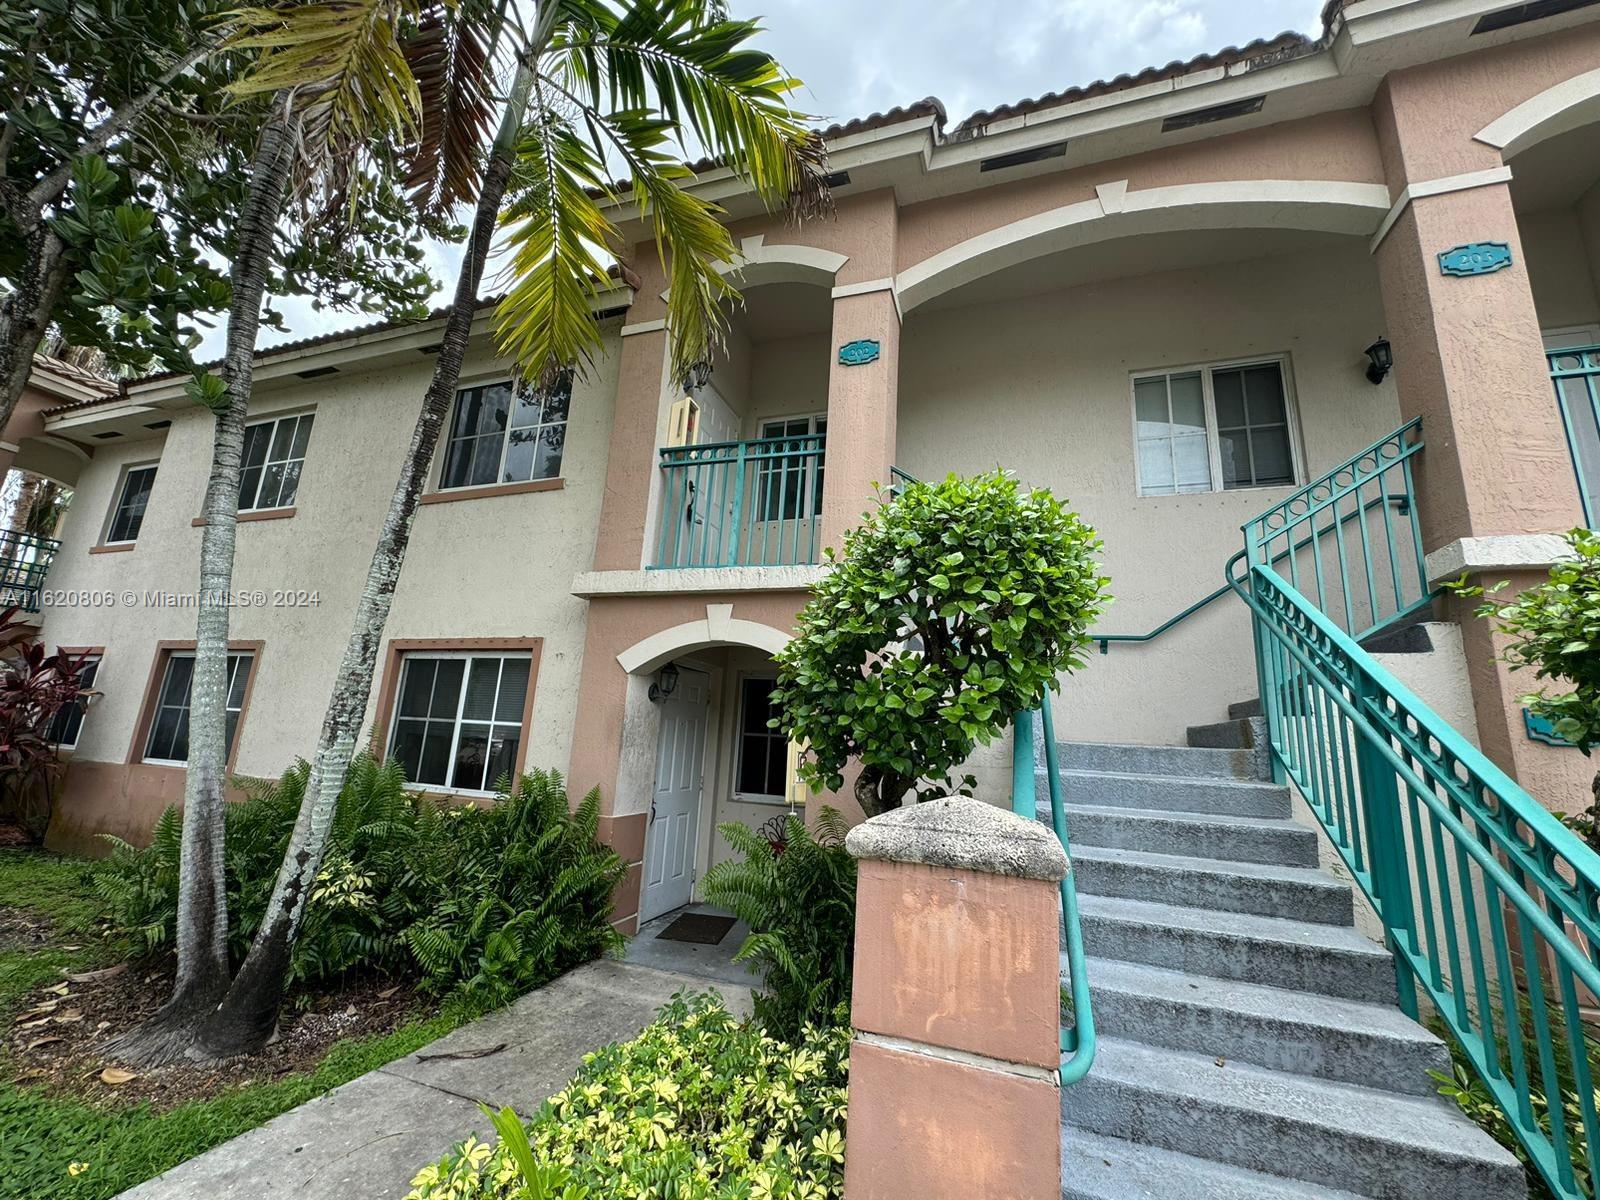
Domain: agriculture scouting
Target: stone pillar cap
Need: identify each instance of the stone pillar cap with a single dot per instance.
(967, 834)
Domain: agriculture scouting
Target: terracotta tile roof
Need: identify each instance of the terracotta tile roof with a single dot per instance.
(62, 369)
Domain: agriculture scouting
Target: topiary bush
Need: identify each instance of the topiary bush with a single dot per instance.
(951, 608)
(699, 1106)
(798, 896)
(484, 901)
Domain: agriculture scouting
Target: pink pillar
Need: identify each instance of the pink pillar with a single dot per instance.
(861, 409)
(956, 1006)
(1496, 482)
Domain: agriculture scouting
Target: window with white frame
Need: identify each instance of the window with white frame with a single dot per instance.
(763, 766)
(507, 433)
(274, 452)
(458, 717)
(789, 481)
(1214, 428)
(68, 721)
(168, 739)
(133, 496)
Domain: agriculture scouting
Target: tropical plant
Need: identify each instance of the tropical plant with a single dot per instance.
(798, 896)
(34, 686)
(590, 82)
(481, 902)
(697, 1107)
(951, 608)
(1553, 629)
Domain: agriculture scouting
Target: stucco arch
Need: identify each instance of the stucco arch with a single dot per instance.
(1556, 110)
(1325, 206)
(760, 264)
(719, 628)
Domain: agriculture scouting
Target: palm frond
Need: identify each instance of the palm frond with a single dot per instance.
(451, 57)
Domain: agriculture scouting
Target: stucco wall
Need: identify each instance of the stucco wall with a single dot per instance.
(1040, 384)
(483, 567)
(1559, 268)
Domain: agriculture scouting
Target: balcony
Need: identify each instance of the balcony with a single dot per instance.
(741, 504)
(25, 559)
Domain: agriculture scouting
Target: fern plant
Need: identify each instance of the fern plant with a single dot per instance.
(798, 896)
(488, 901)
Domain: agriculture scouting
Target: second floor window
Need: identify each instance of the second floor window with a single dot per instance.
(1216, 428)
(132, 498)
(273, 454)
(507, 433)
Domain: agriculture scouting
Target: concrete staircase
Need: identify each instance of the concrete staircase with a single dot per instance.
(1250, 1044)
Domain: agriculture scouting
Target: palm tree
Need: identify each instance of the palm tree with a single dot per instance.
(591, 83)
(323, 115)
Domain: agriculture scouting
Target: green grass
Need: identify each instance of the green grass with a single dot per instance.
(124, 1146)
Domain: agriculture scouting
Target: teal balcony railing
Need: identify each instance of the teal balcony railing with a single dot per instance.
(25, 560)
(1488, 903)
(741, 504)
(1078, 1037)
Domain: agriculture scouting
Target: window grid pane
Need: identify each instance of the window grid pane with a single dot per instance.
(169, 725)
(274, 453)
(68, 721)
(131, 504)
(458, 718)
(763, 752)
(504, 435)
(1253, 426)
(1251, 442)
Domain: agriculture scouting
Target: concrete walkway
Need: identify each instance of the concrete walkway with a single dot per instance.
(369, 1137)
(713, 963)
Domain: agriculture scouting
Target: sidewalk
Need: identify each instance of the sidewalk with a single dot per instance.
(370, 1136)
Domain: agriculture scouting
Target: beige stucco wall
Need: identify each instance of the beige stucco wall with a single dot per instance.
(1559, 267)
(1040, 384)
(483, 567)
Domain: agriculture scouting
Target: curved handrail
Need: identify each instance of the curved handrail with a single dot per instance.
(1077, 1043)
(1105, 639)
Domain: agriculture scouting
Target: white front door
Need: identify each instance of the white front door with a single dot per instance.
(671, 840)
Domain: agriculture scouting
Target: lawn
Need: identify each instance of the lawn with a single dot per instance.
(66, 1133)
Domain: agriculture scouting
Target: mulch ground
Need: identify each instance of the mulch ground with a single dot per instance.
(56, 1040)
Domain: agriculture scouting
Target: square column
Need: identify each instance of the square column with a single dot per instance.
(1495, 483)
(862, 406)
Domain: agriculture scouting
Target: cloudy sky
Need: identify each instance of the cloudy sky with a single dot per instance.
(863, 56)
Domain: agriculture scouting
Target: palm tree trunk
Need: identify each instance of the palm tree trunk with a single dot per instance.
(247, 1016)
(25, 314)
(202, 978)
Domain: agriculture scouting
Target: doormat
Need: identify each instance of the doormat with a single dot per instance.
(703, 929)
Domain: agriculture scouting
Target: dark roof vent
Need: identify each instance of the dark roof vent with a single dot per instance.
(1038, 154)
(1217, 112)
(106, 437)
(1521, 14)
(433, 349)
(316, 372)
(158, 424)
(836, 179)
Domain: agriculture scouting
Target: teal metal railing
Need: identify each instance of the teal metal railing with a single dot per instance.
(1078, 1039)
(25, 560)
(1489, 905)
(741, 504)
(1575, 374)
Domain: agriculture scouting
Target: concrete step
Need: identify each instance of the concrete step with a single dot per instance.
(1247, 733)
(1243, 709)
(1374, 1143)
(1201, 835)
(1325, 959)
(1187, 762)
(1102, 1168)
(1301, 1032)
(1301, 893)
(1169, 793)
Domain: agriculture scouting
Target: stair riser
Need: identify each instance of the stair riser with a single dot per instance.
(1244, 709)
(1204, 889)
(1249, 733)
(1224, 798)
(1341, 1055)
(1368, 1165)
(1321, 969)
(1180, 762)
(1239, 843)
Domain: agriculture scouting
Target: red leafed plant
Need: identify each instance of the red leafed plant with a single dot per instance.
(34, 686)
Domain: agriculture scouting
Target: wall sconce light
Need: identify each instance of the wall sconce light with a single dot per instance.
(666, 683)
(1381, 358)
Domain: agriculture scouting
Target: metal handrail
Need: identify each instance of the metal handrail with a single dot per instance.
(716, 511)
(25, 560)
(1077, 1043)
(1488, 903)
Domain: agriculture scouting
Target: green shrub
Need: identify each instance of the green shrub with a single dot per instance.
(697, 1107)
(486, 901)
(799, 898)
(952, 607)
